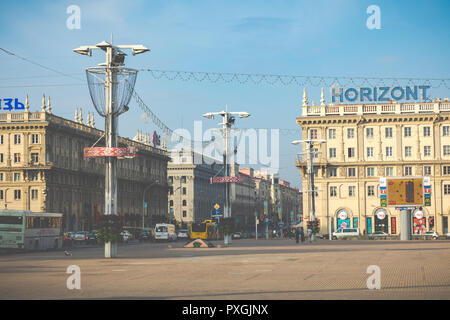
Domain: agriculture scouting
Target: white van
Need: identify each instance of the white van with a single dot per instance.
(344, 233)
(165, 231)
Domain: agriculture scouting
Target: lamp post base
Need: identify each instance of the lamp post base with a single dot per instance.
(110, 249)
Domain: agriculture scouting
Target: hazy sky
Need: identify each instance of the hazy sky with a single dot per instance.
(326, 38)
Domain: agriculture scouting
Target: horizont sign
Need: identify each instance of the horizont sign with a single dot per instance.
(379, 94)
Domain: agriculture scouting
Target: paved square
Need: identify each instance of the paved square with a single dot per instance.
(249, 269)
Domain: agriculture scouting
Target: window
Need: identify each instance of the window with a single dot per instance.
(388, 132)
(35, 157)
(34, 138)
(34, 194)
(388, 151)
(351, 191)
(332, 152)
(32, 175)
(352, 172)
(408, 171)
(351, 152)
(17, 139)
(1, 157)
(184, 213)
(183, 179)
(16, 157)
(427, 151)
(16, 176)
(17, 194)
(446, 150)
(170, 179)
(184, 190)
(315, 152)
(370, 172)
(332, 172)
(446, 131)
(333, 191)
(407, 131)
(369, 152)
(1, 176)
(446, 188)
(332, 134)
(184, 203)
(313, 134)
(1, 194)
(350, 133)
(1, 139)
(171, 203)
(370, 191)
(446, 169)
(427, 171)
(369, 132)
(408, 151)
(426, 131)
(389, 171)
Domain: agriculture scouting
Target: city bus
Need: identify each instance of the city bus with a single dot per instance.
(28, 230)
(206, 230)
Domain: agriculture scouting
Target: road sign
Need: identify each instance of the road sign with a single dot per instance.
(216, 206)
(402, 191)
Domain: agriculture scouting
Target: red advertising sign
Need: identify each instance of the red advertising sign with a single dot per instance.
(110, 152)
(226, 179)
(393, 225)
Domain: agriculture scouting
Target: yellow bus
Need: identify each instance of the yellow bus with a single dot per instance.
(205, 230)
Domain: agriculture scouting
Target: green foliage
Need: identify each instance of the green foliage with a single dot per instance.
(226, 226)
(314, 226)
(110, 228)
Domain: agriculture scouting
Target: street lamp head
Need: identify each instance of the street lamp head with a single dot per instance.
(209, 115)
(244, 114)
(296, 141)
(138, 49)
(85, 50)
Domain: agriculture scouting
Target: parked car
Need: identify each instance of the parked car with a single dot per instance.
(80, 237)
(126, 235)
(244, 235)
(182, 234)
(430, 234)
(378, 235)
(92, 237)
(446, 235)
(345, 233)
(237, 235)
(145, 235)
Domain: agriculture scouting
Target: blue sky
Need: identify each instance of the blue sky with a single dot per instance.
(283, 37)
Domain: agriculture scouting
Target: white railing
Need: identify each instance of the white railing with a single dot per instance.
(391, 108)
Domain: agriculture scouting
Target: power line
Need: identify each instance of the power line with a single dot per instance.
(38, 64)
(45, 85)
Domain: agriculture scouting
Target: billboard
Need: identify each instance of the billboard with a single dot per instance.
(402, 191)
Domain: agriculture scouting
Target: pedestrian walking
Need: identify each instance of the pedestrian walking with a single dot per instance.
(297, 235)
(302, 235)
(310, 235)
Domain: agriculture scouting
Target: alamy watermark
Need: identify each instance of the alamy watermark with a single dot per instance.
(74, 280)
(245, 146)
(373, 21)
(374, 281)
(74, 20)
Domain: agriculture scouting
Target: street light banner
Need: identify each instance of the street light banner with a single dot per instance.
(226, 179)
(129, 152)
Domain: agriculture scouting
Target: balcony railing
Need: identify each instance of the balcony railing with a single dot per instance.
(391, 108)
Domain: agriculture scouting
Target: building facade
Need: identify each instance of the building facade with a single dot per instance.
(42, 169)
(366, 142)
(191, 195)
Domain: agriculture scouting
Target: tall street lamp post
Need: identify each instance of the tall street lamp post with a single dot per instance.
(111, 87)
(312, 191)
(143, 201)
(227, 121)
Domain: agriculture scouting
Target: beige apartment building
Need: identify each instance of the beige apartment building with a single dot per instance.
(366, 142)
(42, 169)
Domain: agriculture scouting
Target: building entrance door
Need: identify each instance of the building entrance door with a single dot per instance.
(381, 224)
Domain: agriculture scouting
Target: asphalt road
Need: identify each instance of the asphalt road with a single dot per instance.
(248, 269)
